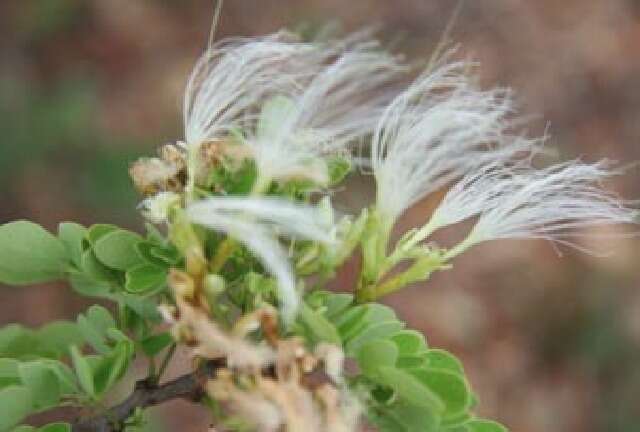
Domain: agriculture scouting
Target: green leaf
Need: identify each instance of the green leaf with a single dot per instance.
(50, 341)
(8, 368)
(411, 362)
(168, 254)
(56, 427)
(94, 325)
(42, 383)
(319, 326)
(25, 428)
(409, 342)
(144, 307)
(111, 367)
(357, 319)
(9, 372)
(485, 426)
(144, 249)
(441, 359)
(375, 331)
(101, 318)
(450, 387)
(152, 345)
(378, 313)
(409, 388)
(117, 249)
(72, 235)
(66, 379)
(19, 342)
(94, 337)
(58, 336)
(373, 355)
(83, 371)
(234, 180)
(87, 286)
(338, 168)
(400, 416)
(97, 231)
(10, 336)
(154, 235)
(29, 254)
(16, 405)
(352, 321)
(456, 422)
(116, 335)
(145, 278)
(337, 303)
(95, 270)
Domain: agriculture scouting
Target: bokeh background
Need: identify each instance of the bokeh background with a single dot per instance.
(550, 343)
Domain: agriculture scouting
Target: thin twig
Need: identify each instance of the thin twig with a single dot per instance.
(165, 361)
(147, 394)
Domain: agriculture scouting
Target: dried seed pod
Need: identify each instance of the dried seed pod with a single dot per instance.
(166, 173)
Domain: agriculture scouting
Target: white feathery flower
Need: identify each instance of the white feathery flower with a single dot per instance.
(523, 202)
(287, 217)
(474, 193)
(234, 76)
(339, 105)
(439, 129)
(256, 223)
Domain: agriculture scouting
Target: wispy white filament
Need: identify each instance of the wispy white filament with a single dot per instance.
(549, 203)
(340, 104)
(256, 223)
(475, 193)
(439, 129)
(234, 76)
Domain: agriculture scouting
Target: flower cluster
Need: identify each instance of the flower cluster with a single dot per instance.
(244, 238)
(272, 125)
(288, 106)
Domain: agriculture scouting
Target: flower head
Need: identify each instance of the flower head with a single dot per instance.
(523, 202)
(339, 105)
(233, 77)
(439, 129)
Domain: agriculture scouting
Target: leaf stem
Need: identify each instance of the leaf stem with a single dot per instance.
(228, 245)
(222, 255)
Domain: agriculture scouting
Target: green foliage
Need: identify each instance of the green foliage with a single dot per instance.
(317, 327)
(41, 382)
(154, 344)
(16, 403)
(32, 386)
(29, 254)
(72, 235)
(34, 371)
(117, 250)
(404, 384)
(51, 341)
(122, 267)
(145, 279)
(235, 180)
(409, 386)
(53, 427)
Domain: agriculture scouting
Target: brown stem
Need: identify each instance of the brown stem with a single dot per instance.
(146, 394)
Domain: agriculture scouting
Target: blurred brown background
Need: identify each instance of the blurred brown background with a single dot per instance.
(550, 343)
